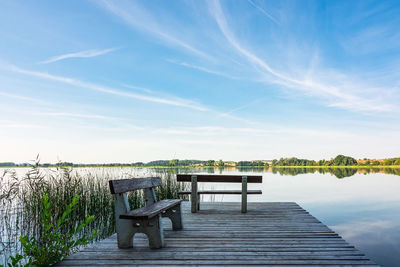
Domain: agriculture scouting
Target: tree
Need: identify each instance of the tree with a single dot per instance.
(220, 163)
(209, 163)
(173, 162)
(341, 160)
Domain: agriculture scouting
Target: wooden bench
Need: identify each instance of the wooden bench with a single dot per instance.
(145, 220)
(195, 193)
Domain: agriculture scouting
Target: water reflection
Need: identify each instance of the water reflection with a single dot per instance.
(338, 172)
(292, 171)
(360, 204)
(364, 207)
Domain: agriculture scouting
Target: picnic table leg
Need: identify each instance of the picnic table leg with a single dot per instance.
(194, 194)
(198, 202)
(244, 194)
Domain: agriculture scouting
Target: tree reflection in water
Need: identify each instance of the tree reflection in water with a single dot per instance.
(338, 172)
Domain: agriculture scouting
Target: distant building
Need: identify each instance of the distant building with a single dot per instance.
(229, 164)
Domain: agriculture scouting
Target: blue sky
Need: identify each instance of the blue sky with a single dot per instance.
(124, 81)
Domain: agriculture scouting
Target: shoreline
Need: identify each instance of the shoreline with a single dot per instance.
(218, 167)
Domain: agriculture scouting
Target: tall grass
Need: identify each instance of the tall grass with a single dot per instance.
(21, 197)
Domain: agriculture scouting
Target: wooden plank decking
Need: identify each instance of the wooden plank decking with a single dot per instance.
(273, 233)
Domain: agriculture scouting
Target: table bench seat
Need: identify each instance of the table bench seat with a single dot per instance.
(152, 210)
(217, 192)
(212, 178)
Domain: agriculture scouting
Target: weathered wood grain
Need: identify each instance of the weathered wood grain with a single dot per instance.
(221, 192)
(269, 234)
(126, 185)
(152, 210)
(244, 194)
(211, 178)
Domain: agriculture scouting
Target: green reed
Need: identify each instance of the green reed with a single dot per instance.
(20, 200)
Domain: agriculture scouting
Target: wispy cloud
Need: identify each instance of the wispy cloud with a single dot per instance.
(180, 102)
(262, 10)
(77, 115)
(139, 19)
(137, 88)
(354, 229)
(13, 124)
(220, 132)
(81, 54)
(203, 69)
(167, 100)
(251, 103)
(24, 98)
(336, 96)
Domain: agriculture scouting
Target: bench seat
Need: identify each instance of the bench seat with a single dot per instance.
(146, 220)
(152, 210)
(217, 192)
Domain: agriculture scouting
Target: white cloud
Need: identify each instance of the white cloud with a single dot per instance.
(271, 131)
(17, 125)
(137, 88)
(24, 98)
(180, 102)
(336, 95)
(251, 103)
(359, 228)
(77, 115)
(204, 69)
(263, 11)
(82, 54)
(140, 19)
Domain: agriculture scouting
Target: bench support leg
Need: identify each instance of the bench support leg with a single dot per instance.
(125, 233)
(125, 230)
(154, 232)
(175, 215)
(152, 228)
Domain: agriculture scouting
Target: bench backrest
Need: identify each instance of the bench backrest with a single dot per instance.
(119, 187)
(219, 178)
(126, 185)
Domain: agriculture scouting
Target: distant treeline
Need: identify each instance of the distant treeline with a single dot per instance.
(339, 160)
(155, 163)
(338, 172)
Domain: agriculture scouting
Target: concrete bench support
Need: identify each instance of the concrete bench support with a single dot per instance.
(175, 215)
(145, 220)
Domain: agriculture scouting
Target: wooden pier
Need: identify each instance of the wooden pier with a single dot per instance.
(272, 233)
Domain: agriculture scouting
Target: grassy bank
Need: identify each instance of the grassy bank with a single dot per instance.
(21, 196)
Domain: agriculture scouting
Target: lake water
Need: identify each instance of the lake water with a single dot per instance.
(364, 208)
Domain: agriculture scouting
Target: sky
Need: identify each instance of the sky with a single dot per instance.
(127, 81)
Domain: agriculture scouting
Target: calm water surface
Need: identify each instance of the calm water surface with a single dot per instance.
(363, 208)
